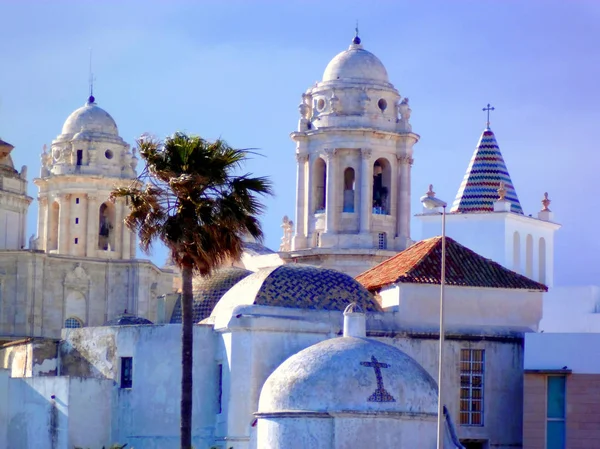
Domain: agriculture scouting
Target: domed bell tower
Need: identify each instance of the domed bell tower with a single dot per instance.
(354, 150)
(84, 164)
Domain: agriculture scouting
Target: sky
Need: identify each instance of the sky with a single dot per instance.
(237, 69)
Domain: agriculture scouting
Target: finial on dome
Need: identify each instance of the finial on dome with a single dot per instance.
(356, 40)
(545, 203)
(430, 192)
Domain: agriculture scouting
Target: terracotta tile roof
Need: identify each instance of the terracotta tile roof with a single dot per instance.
(421, 264)
(479, 188)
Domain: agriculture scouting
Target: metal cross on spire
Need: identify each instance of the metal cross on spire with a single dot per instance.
(488, 108)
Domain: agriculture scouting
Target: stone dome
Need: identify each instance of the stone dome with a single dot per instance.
(208, 290)
(356, 64)
(297, 286)
(127, 319)
(350, 374)
(90, 118)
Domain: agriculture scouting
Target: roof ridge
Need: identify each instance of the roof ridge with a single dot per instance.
(464, 267)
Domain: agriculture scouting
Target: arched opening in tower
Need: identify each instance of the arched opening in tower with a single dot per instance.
(106, 227)
(53, 227)
(320, 185)
(382, 176)
(349, 189)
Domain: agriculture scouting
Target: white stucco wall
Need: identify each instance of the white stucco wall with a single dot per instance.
(572, 309)
(419, 304)
(549, 351)
(35, 420)
(147, 415)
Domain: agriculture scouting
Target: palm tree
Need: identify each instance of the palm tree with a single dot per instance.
(190, 198)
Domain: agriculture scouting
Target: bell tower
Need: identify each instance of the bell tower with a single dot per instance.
(84, 164)
(14, 201)
(354, 148)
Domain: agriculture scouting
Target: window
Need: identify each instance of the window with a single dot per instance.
(76, 240)
(77, 221)
(472, 369)
(555, 412)
(108, 154)
(106, 236)
(76, 200)
(220, 388)
(79, 157)
(349, 188)
(382, 240)
(126, 372)
(381, 186)
(320, 191)
(73, 323)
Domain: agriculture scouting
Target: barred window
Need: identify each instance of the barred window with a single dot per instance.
(73, 323)
(472, 371)
(382, 240)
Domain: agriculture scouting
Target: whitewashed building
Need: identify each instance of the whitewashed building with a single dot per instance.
(274, 353)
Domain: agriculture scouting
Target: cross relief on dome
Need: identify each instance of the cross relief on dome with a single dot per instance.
(381, 394)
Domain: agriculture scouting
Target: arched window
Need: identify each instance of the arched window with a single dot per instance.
(382, 182)
(382, 240)
(106, 226)
(529, 256)
(73, 323)
(320, 185)
(53, 227)
(542, 260)
(349, 188)
(517, 252)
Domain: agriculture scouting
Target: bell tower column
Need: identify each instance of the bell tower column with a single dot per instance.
(92, 226)
(366, 182)
(403, 209)
(331, 191)
(64, 219)
(301, 202)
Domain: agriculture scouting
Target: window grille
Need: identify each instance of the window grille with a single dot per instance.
(73, 323)
(472, 371)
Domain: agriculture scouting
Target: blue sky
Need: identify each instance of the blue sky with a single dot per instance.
(237, 69)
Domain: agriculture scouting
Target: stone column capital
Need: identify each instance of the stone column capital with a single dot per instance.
(405, 160)
(366, 153)
(301, 157)
(330, 153)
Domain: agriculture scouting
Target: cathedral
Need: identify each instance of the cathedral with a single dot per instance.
(331, 341)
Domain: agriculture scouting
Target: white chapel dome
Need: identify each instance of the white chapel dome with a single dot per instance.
(350, 374)
(90, 118)
(356, 64)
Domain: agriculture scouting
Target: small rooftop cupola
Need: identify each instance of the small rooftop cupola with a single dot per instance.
(479, 189)
(355, 323)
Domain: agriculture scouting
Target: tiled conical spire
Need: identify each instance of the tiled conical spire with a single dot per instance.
(479, 189)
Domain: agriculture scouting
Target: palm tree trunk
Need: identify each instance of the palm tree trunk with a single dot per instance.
(187, 342)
